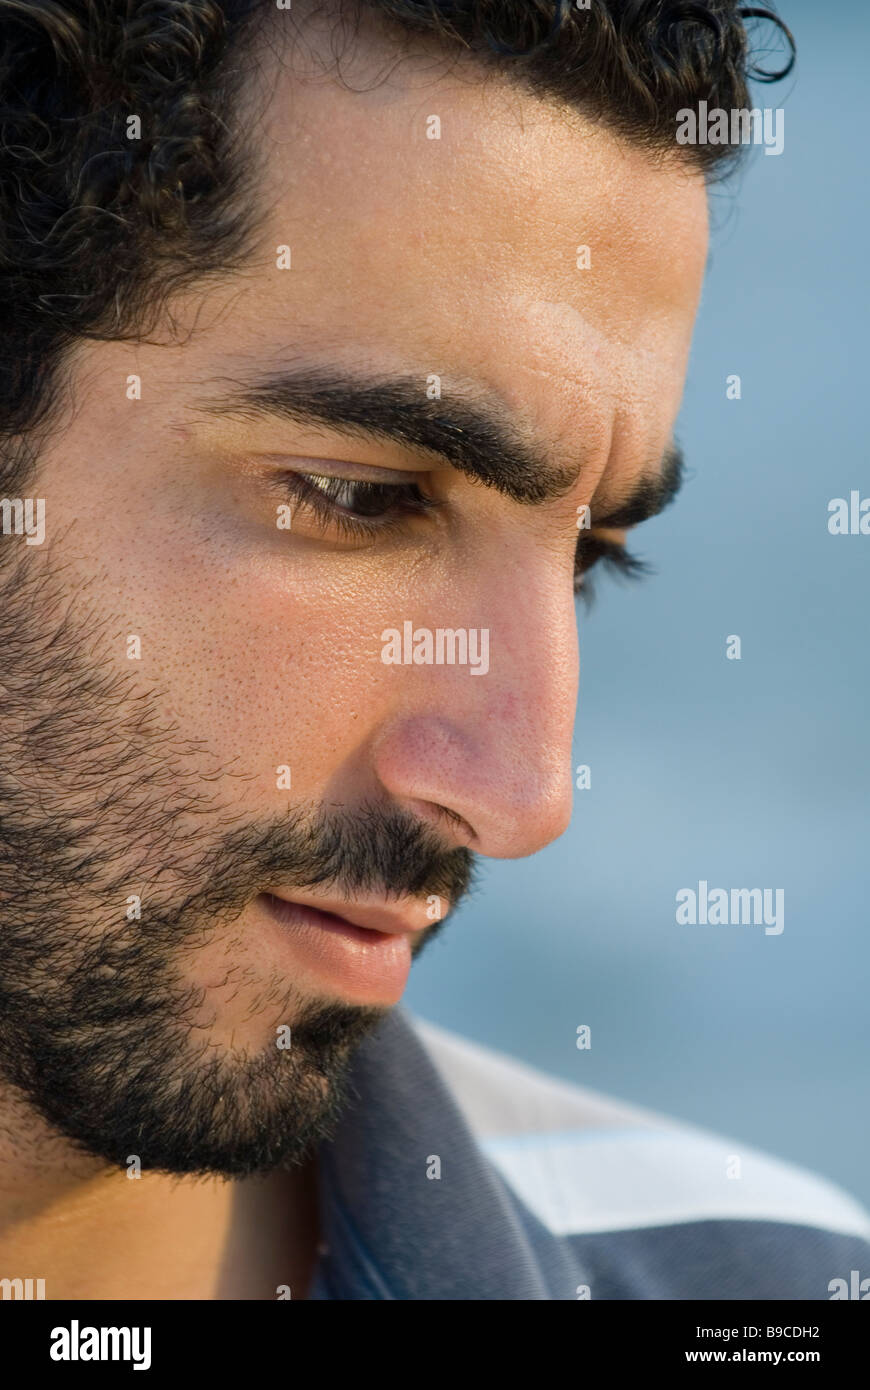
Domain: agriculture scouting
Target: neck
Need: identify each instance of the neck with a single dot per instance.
(93, 1232)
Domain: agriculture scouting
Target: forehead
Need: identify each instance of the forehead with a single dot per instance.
(434, 213)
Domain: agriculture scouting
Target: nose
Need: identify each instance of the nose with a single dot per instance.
(488, 758)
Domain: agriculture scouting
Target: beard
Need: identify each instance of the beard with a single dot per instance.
(103, 803)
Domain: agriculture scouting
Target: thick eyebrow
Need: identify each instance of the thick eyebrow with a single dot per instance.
(479, 437)
(650, 495)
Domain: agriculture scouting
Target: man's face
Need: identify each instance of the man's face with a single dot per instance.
(202, 721)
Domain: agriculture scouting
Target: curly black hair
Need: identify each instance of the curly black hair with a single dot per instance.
(102, 219)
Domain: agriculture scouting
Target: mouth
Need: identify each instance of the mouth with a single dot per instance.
(292, 913)
(363, 957)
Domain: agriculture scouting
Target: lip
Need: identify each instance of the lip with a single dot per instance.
(388, 919)
(360, 953)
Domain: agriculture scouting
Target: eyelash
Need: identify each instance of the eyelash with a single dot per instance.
(322, 499)
(406, 499)
(616, 558)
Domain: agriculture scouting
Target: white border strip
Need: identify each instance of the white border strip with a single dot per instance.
(612, 1180)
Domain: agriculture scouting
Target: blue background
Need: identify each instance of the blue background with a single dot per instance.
(745, 773)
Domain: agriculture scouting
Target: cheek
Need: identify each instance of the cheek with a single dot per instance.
(264, 662)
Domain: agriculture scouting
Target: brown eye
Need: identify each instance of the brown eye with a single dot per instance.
(359, 498)
(357, 508)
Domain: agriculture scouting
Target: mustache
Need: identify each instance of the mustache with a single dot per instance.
(372, 850)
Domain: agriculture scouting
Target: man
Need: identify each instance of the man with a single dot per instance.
(340, 342)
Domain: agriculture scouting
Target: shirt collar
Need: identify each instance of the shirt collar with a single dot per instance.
(391, 1231)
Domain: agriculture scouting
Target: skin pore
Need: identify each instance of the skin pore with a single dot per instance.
(261, 648)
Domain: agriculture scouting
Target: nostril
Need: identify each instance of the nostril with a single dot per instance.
(436, 813)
